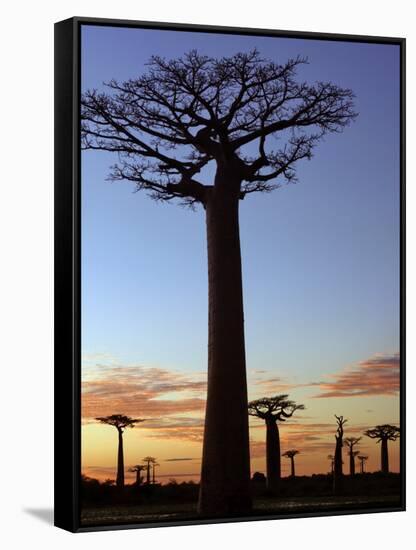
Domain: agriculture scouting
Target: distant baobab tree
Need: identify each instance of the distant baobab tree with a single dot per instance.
(331, 458)
(273, 410)
(138, 468)
(338, 474)
(291, 454)
(363, 459)
(149, 462)
(384, 433)
(120, 421)
(167, 125)
(351, 442)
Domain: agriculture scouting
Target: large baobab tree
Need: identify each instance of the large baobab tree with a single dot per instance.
(351, 442)
(138, 469)
(168, 125)
(120, 421)
(338, 475)
(273, 410)
(149, 462)
(291, 454)
(384, 433)
(363, 459)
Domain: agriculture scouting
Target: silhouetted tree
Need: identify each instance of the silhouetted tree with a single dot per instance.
(165, 127)
(384, 433)
(362, 459)
(149, 462)
(331, 458)
(338, 475)
(350, 442)
(120, 421)
(291, 454)
(138, 468)
(273, 410)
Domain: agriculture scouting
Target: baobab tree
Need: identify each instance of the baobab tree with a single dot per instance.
(291, 454)
(338, 475)
(363, 459)
(149, 462)
(120, 421)
(384, 433)
(351, 442)
(138, 468)
(273, 410)
(170, 124)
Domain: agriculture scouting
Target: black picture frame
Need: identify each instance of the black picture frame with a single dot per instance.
(68, 264)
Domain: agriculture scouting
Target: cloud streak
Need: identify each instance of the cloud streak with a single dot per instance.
(379, 375)
(141, 391)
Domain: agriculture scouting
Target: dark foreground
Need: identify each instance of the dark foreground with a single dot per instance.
(102, 505)
(262, 507)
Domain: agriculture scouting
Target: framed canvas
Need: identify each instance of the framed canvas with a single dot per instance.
(198, 170)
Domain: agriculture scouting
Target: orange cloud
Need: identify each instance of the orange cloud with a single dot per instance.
(141, 392)
(379, 375)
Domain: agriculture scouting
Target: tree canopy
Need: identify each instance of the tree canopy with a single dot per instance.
(167, 124)
(120, 421)
(383, 431)
(278, 407)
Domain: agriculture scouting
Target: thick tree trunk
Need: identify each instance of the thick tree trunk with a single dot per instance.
(338, 475)
(153, 475)
(138, 479)
(120, 461)
(225, 474)
(292, 463)
(384, 457)
(148, 474)
(352, 464)
(273, 456)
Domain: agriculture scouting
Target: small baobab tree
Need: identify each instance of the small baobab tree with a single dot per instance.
(169, 125)
(338, 474)
(149, 462)
(138, 469)
(273, 410)
(291, 454)
(351, 442)
(384, 433)
(120, 422)
(363, 459)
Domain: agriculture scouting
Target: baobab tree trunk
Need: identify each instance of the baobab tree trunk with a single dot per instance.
(120, 461)
(272, 456)
(338, 475)
(292, 464)
(148, 474)
(138, 478)
(225, 473)
(384, 457)
(352, 464)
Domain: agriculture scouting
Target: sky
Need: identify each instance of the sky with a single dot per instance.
(320, 274)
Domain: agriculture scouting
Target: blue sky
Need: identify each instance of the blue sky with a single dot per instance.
(320, 258)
